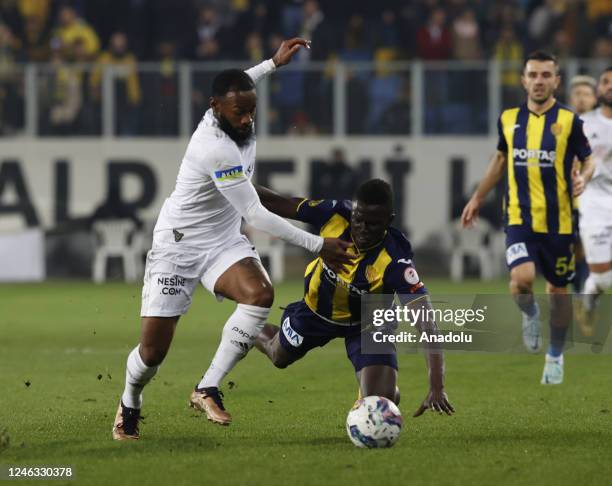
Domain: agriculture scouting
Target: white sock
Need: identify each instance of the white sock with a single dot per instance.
(238, 337)
(137, 375)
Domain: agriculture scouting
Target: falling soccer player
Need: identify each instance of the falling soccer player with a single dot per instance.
(331, 307)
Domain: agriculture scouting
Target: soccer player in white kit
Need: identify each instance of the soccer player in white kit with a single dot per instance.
(582, 99)
(596, 200)
(197, 239)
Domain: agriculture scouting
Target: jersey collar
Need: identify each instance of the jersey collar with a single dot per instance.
(544, 112)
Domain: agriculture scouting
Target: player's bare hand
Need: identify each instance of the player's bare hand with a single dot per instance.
(287, 49)
(577, 182)
(335, 253)
(469, 217)
(436, 401)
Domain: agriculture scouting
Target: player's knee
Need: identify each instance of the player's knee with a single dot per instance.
(281, 364)
(390, 392)
(261, 296)
(556, 292)
(522, 278)
(152, 356)
(280, 361)
(521, 284)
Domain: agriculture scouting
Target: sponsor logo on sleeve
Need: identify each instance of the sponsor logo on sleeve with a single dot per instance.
(230, 174)
(292, 336)
(516, 251)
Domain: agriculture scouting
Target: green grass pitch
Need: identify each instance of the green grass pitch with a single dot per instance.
(69, 342)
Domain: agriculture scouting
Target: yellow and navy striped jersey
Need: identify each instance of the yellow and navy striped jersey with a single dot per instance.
(540, 151)
(387, 268)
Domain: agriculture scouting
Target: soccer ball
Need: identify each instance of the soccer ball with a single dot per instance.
(374, 422)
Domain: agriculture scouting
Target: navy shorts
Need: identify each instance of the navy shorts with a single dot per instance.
(552, 254)
(302, 330)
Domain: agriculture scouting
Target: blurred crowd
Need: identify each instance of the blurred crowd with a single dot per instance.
(78, 38)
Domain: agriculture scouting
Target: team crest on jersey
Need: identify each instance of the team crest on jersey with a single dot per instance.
(315, 202)
(371, 273)
(556, 129)
(178, 236)
(230, 174)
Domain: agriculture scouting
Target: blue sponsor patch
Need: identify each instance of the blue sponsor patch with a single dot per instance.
(229, 174)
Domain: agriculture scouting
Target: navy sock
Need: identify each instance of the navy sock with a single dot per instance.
(527, 304)
(557, 340)
(582, 272)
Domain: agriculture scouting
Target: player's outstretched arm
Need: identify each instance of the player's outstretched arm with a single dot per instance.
(283, 55)
(495, 172)
(285, 207)
(333, 251)
(436, 399)
(243, 197)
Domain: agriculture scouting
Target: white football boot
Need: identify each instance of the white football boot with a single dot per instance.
(532, 335)
(553, 371)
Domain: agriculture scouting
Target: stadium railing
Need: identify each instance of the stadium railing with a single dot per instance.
(330, 99)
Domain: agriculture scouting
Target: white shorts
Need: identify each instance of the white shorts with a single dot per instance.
(172, 273)
(597, 243)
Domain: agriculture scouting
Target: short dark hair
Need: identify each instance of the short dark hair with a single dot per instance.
(540, 55)
(231, 80)
(607, 70)
(375, 191)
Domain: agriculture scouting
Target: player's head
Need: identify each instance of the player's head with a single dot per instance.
(582, 94)
(604, 87)
(372, 213)
(540, 76)
(233, 103)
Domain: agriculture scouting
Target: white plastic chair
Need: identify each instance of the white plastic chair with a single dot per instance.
(475, 242)
(273, 249)
(117, 238)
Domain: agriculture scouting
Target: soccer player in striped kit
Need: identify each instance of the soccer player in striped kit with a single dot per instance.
(538, 142)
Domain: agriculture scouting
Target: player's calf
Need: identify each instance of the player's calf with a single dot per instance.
(268, 343)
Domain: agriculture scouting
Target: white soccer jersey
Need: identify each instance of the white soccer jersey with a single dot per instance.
(196, 209)
(596, 201)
